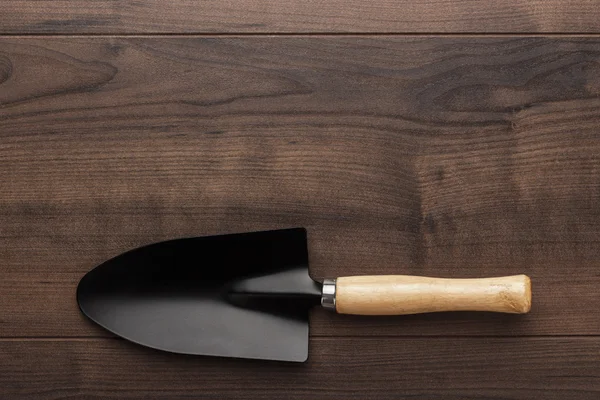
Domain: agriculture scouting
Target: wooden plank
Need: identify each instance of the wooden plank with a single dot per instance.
(261, 16)
(449, 368)
(451, 157)
(39, 290)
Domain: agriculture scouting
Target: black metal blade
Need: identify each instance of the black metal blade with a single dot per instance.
(242, 295)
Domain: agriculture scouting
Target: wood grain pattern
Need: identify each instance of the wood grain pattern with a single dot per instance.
(449, 368)
(453, 157)
(262, 16)
(407, 294)
(424, 156)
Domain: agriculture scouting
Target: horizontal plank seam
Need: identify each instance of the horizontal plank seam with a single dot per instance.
(317, 337)
(291, 34)
(387, 336)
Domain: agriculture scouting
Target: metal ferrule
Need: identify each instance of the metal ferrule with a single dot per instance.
(328, 294)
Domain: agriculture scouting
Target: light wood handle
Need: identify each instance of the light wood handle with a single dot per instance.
(401, 294)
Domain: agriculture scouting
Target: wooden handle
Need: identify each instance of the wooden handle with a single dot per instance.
(400, 294)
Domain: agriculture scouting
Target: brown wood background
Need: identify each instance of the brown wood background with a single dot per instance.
(400, 149)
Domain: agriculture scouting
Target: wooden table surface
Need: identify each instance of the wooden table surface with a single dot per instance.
(452, 139)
